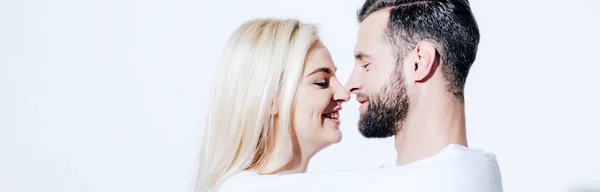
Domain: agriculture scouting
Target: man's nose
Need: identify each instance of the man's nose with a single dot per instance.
(353, 84)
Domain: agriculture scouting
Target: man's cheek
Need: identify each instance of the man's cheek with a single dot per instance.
(370, 83)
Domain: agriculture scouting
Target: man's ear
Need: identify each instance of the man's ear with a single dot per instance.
(424, 63)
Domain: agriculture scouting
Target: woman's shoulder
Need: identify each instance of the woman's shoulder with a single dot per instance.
(238, 182)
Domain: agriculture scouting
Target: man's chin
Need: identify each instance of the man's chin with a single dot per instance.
(370, 133)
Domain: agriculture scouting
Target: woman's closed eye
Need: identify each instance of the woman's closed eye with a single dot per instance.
(322, 84)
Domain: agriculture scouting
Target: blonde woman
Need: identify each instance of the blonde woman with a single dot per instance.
(275, 104)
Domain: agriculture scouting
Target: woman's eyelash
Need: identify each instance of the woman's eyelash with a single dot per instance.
(324, 84)
(365, 65)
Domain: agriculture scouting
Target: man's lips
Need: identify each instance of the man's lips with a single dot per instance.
(363, 103)
(361, 100)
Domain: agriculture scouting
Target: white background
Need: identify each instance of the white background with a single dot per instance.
(111, 95)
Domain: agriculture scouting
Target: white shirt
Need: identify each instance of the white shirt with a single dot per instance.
(453, 169)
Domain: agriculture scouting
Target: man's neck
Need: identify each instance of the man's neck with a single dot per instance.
(429, 128)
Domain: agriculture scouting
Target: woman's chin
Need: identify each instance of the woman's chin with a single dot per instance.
(335, 136)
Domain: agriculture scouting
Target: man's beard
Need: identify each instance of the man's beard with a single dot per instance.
(386, 110)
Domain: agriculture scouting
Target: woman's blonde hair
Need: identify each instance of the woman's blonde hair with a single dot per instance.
(258, 76)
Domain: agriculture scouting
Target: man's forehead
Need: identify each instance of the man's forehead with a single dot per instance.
(371, 29)
(376, 20)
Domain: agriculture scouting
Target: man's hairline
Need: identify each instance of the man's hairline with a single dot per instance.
(384, 37)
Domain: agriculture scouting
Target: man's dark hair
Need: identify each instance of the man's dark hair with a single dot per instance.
(448, 24)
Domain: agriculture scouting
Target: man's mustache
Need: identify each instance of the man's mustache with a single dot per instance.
(362, 96)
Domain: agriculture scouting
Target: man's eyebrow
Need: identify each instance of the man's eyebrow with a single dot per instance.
(361, 56)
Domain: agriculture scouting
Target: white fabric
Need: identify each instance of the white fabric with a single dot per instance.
(454, 169)
(238, 182)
